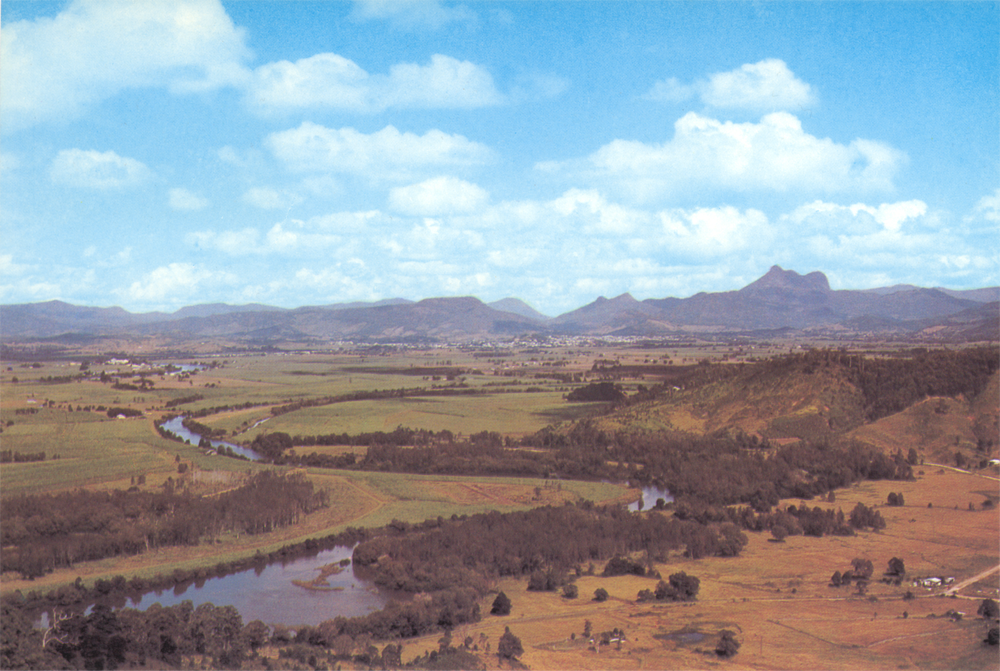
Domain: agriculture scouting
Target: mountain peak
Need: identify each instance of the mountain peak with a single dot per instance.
(779, 278)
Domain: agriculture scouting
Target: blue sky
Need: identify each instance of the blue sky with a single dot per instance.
(156, 155)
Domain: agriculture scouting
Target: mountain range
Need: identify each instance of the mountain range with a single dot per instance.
(782, 302)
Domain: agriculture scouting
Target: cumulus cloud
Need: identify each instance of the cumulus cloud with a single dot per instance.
(182, 199)
(767, 85)
(96, 170)
(385, 154)
(440, 195)
(564, 251)
(773, 155)
(175, 282)
(412, 14)
(56, 68)
(330, 81)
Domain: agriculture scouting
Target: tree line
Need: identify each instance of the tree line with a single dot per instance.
(43, 532)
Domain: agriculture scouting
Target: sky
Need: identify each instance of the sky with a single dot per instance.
(161, 154)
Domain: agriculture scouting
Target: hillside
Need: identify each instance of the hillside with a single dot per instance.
(938, 403)
(793, 401)
(939, 427)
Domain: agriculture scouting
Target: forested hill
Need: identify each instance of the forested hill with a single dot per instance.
(815, 395)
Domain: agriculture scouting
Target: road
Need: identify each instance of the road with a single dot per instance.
(969, 581)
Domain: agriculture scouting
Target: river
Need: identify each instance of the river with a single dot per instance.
(269, 594)
(176, 427)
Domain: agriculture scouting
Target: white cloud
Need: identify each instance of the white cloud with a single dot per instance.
(988, 208)
(440, 195)
(331, 81)
(385, 154)
(855, 219)
(670, 91)
(55, 68)
(445, 82)
(267, 198)
(712, 232)
(773, 155)
(182, 199)
(8, 267)
(9, 162)
(767, 85)
(245, 241)
(175, 282)
(412, 14)
(96, 170)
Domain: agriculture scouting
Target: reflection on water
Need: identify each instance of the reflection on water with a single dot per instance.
(269, 595)
(649, 496)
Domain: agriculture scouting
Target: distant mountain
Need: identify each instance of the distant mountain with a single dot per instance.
(429, 319)
(987, 295)
(211, 309)
(605, 316)
(518, 307)
(367, 304)
(39, 320)
(785, 299)
(781, 303)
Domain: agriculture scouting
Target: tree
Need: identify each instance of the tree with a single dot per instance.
(896, 567)
(600, 594)
(836, 579)
(570, 591)
(255, 634)
(501, 605)
(727, 645)
(863, 568)
(779, 532)
(392, 656)
(509, 647)
(989, 610)
(685, 586)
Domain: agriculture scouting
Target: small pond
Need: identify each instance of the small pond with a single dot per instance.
(649, 497)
